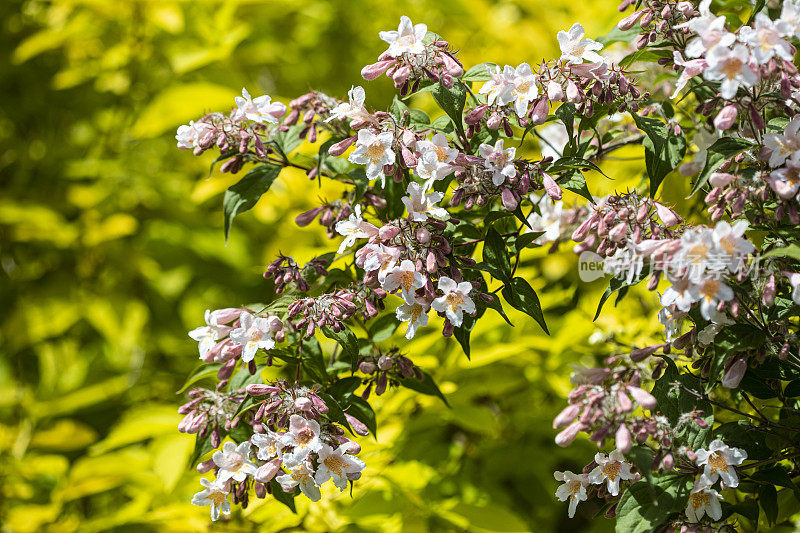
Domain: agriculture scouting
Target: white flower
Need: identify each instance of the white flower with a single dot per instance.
(710, 293)
(254, 333)
(710, 31)
(671, 319)
(383, 259)
(455, 300)
(189, 136)
(354, 228)
(731, 67)
(790, 19)
(610, 470)
(499, 88)
(523, 88)
(765, 40)
(785, 181)
(303, 435)
(259, 109)
(233, 462)
(794, 281)
(430, 169)
(336, 464)
(549, 221)
(416, 314)
(679, 293)
(375, 151)
(407, 39)
(208, 335)
(553, 138)
(719, 461)
(354, 109)
(786, 146)
(302, 475)
(215, 494)
(269, 445)
(406, 278)
(691, 68)
(436, 158)
(576, 49)
(499, 161)
(729, 239)
(696, 253)
(421, 205)
(573, 488)
(703, 500)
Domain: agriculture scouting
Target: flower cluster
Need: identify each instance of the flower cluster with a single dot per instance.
(412, 57)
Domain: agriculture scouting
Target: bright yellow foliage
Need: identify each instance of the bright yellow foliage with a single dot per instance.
(111, 248)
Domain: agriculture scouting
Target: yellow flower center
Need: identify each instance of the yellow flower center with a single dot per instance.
(375, 151)
(699, 499)
(611, 470)
(454, 301)
(334, 464)
(217, 498)
(717, 462)
(732, 68)
(304, 436)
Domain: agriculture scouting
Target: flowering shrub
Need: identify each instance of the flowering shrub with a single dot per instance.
(721, 411)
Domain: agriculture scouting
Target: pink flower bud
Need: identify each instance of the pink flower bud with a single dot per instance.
(206, 466)
(358, 427)
(453, 67)
(642, 397)
(476, 115)
(566, 416)
(667, 215)
(624, 403)
(623, 439)
(565, 437)
(573, 93)
(618, 232)
(267, 471)
(555, 92)
(540, 111)
(551, 187)
(388, 232)
(720, 179)
(628, 22)
(258, 389)
(582, 231)
(370, 72)
(733, 374)
(725, 119)
(640, 354)
(400, 76)
(494, 121)
(423, 235)
(768, 297)
(342, 146)
(509, 201)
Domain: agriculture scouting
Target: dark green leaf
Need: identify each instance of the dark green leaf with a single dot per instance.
(346, 339)
(574, 180)
(425, 386)
(462, 332)
(286, 499)
(359, 408)
(645, 506)
(521, 296)
(495, 256)
(481, 72)
(201, 371)
(243, 195)
(768, 498)
(663, 150)
(452, 102)
(243, 378)
(719, 152)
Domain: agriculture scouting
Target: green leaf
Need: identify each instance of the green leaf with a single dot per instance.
(673, 401)
(719, 152)
(452, 102)
(768, 498)
(481, 72)
(497, 306)
(575, 181)
(243, 195)
(425, 386)
(521, 296)
(575, 163)
(286, 141)
(312, 360)
(742, 435)
(792, 251)
(645, 506)
(285, 498)
(615, 285)
(462, 332)
(342, 387)
(663, 150)
(566, 114)
(362, 410)
(346, 339)
(243, 378)
(526, 239)
(202, 445)
(359, 177)
(495, 256)
(201, 371)
(335, 412)
(383, 328)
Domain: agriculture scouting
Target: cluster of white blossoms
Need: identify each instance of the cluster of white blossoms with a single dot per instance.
(717, 462)
(734, 59)
(303, 457)
(248, 333)
(609, 471)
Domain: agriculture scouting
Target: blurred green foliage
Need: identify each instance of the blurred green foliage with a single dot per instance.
(111, 248)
